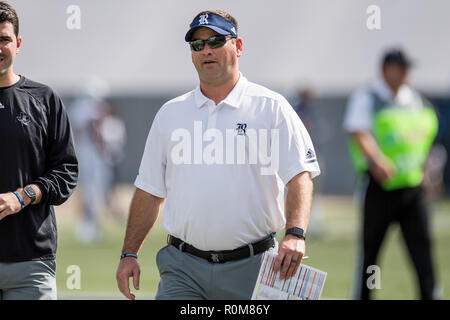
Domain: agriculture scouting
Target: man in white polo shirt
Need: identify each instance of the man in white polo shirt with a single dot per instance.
(221, 155)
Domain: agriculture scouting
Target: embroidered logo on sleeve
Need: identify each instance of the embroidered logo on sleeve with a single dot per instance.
(310, 156)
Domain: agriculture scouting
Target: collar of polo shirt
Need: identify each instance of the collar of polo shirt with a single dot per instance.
(233, 99)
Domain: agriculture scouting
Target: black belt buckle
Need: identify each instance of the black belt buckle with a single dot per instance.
(216, 257)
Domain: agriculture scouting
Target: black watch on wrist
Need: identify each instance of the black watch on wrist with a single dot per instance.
(298, 232)
(29, 191)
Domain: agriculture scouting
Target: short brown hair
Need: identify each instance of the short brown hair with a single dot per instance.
(7, 13)
(221, 13)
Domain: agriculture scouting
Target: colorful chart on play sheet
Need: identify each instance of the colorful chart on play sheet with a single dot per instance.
(306, 284)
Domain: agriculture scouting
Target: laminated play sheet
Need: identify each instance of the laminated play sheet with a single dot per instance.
(306, 284)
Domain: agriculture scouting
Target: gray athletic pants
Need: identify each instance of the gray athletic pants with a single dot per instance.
(188, 277)
(28, 280)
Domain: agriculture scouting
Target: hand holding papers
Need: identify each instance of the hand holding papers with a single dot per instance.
(306, 284)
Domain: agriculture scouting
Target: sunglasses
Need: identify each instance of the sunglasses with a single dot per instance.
(213, 42)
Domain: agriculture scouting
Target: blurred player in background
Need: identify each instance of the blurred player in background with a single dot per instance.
(99, 141)
(305, 109)
(38, 169)
(392, 128)
(433, 180)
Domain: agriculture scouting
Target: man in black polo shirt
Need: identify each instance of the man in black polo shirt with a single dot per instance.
(38, 169)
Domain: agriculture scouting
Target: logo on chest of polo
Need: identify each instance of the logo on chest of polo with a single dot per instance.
(238, 146)
(240, 128)
(23, 118)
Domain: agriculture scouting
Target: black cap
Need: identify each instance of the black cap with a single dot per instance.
(397, 56)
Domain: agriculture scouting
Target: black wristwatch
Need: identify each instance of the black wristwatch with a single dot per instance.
(298, 232)
(29, 191)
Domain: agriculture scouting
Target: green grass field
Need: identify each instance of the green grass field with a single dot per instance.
(334, 253)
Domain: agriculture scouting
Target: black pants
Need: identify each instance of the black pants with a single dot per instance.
(407, 207)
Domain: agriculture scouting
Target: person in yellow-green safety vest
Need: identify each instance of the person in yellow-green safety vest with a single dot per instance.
(391, 130)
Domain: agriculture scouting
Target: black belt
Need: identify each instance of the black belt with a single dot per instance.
(227, 255)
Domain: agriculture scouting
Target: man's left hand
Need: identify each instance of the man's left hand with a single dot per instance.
(9, 204)
(290, 254)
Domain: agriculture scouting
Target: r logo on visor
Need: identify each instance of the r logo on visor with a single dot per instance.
(203, 19)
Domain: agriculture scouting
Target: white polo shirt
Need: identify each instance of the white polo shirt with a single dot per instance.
(222, 168)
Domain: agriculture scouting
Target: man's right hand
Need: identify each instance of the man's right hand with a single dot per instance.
(128, 267)
(381, 167)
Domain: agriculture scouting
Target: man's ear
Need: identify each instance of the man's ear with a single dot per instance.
(19, 42)
(239, 47)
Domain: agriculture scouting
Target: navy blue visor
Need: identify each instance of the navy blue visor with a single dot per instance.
(214, 22)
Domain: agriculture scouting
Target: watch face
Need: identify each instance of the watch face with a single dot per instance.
(296, 232)
(30, 193)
